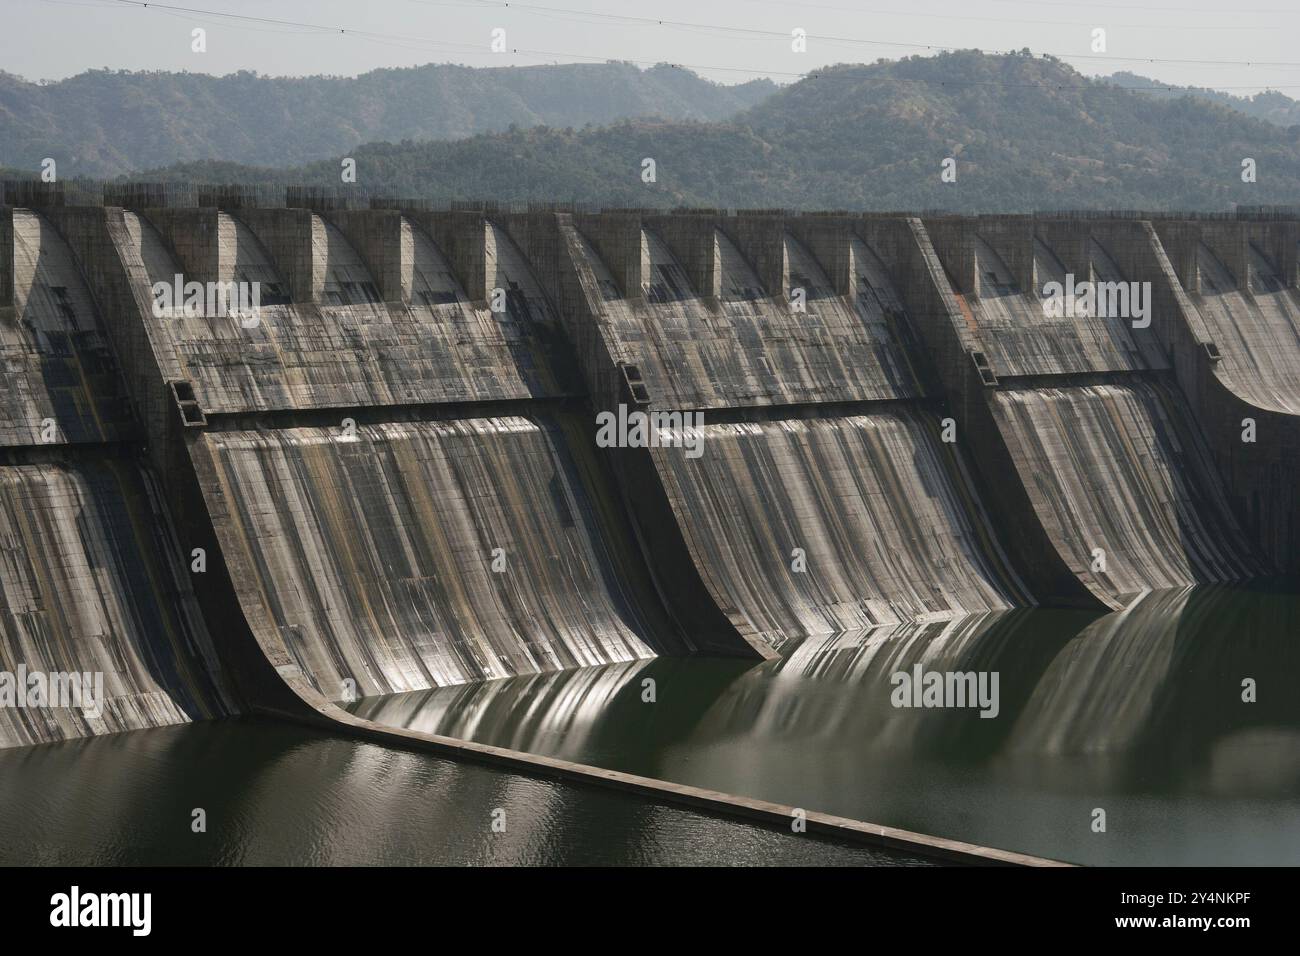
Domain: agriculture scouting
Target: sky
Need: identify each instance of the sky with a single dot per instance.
(1242, 47)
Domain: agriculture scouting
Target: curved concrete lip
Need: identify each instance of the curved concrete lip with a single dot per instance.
(711, 801)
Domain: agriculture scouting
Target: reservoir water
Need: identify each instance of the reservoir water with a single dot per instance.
(1145, 715)
(280, 795)
(1178, 718)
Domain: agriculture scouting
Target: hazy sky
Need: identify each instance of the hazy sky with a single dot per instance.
(50, 39)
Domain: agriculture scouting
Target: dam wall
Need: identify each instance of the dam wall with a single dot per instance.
(1234, 308)
(396, 469)
(387, 475)
(948, 335)
(100, 629)
(1086, 407)
(425, 553)
(420, 509)
(557, 249)
(61, 386)
(813, 397)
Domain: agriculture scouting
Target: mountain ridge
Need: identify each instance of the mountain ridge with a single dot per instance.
(1024, 132)
(109, 123)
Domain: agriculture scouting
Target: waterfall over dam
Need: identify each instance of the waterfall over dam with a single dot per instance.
(387, 475)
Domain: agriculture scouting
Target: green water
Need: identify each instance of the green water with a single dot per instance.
(277, 794)
(1138, 714)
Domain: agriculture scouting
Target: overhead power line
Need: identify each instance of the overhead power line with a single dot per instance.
(777, 34)
(1087, 6)
(407, 38)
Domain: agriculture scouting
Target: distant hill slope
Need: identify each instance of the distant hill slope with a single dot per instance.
(1271, 106)
(1026, 133)
(105, 123)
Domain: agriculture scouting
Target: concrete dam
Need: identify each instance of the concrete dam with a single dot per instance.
(386, 476)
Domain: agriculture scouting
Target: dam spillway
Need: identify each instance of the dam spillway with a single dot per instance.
(387, 478)
(92, 576)
(1124, 488)
(375, 558)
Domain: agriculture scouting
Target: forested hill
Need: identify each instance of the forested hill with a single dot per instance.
(1268, 105)
(1024, 133)
(107, 123)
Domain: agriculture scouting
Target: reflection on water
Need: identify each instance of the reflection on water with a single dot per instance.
(1138, 712)
(280, 795)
